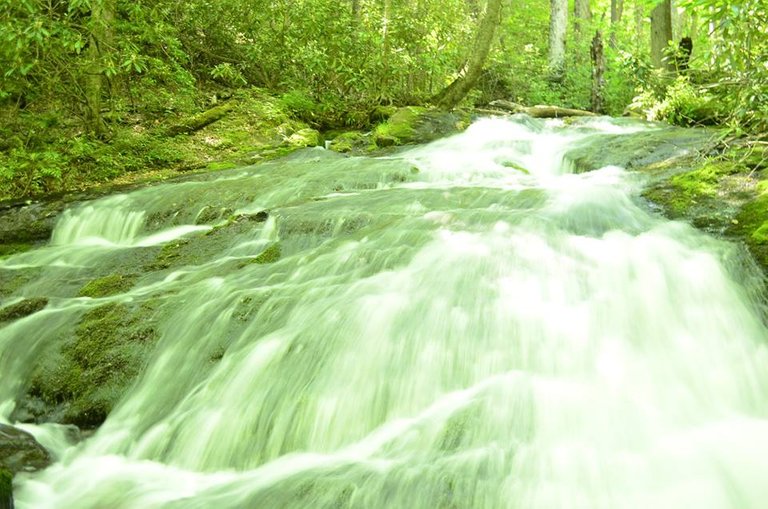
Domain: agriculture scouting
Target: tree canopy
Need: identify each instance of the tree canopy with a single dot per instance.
(79, 72)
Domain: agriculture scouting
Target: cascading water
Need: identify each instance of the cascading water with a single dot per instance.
(463, 325)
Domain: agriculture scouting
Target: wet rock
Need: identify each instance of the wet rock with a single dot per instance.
(20, 452)
(641, 150)
(22, 223)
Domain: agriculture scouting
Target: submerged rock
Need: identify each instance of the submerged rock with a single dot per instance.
(20, 452)
(80, 381)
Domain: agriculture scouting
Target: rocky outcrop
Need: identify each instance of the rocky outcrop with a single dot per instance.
(19, 452)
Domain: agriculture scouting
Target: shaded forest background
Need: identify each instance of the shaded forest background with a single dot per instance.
(89, 88)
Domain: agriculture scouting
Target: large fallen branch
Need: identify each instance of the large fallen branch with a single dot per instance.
(540, 111)
(197, 122)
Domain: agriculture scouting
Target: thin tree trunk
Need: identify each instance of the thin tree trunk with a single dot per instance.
(385, 18)
(598, 73)
(639, 24)
(582, 13)
(456, 91)
(558, 21)
(661, 35)
(102, 19)
(617, 9)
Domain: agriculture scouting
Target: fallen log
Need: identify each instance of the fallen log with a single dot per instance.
(540, 111)
(197, 122)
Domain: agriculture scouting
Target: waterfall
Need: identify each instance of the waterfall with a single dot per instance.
(466, 324)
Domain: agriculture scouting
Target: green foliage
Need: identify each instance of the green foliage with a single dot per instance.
(681, 103)
(728, 75)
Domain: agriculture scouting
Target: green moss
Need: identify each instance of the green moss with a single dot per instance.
(22, 309)
(220, 165)
(304, 138)
(399, 129)
(751, 225)
(349, 141)
(168, 255)
(108, 285)
(92, 370)
(269, 255)
(685, 190)
(11, 249)
(6, 487)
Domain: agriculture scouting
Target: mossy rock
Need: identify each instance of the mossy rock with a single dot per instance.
(414, 124)
(108, 285)
(304, 138)
(20, 452)
(21, 309)
(270, 255)
(643, 151)
(351, 141)
(400, 128)
(752, 226)
(80, 382)
(679, 194)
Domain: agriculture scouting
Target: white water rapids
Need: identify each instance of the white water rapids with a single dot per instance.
(486, 330)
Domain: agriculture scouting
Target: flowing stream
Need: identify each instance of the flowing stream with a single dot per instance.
(466, 324)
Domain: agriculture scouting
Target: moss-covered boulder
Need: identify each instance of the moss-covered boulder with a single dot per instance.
(80, 382)
(640, 150)
(413, 124)
(354, 142)
(304, 138)
(20, 452)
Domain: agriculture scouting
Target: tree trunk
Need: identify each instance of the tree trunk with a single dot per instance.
(639, 24)
(598, 73)
(661, 35)
(617, 9)
(456, 91)
(582, 13)
(541, 111)
(558, 21)
(386, 12)
(102, 21)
